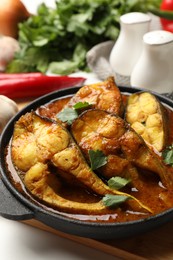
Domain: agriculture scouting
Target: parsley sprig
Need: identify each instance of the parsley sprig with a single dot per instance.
(118, 182)
(167, 155)
(112, 201)
(69, 114)
(97, 159)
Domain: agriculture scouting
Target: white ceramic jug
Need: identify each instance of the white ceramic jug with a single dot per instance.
(154, 69)
(128, 46)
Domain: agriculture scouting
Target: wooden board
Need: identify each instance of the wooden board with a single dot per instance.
(153, 245)
(157, 244)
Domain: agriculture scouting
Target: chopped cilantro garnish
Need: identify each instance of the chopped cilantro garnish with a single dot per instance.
(113, 201)
(67, 115)
(97, 159)
(167, 155)
(81, 105)
(118, 182)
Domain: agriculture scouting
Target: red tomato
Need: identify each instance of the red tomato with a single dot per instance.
(167, 5)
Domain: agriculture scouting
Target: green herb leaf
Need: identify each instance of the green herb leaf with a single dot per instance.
(81, 105)
(67, 115)
(167, 155)
(63, 67)
(118, 182)
(114, 201)
(70, 114)
(97, 159)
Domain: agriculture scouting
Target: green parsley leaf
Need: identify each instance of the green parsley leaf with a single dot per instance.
(118, 182)
(63, 67)
(97, 159)
(114, 201)
(67, 115)
(167, 155)
(81, 105)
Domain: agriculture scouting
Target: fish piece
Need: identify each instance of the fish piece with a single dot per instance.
(102, 95)
(36, 140)
(115, 138)
(45, 186)
(52, 144)
(148, 118)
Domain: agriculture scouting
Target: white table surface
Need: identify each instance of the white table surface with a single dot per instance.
(19, 241)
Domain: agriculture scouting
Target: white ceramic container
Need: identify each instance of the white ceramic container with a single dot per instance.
(154, 69)
(128, 46)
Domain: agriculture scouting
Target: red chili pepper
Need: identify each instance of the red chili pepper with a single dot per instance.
(167, 24)
(20, 75)
(34, 84)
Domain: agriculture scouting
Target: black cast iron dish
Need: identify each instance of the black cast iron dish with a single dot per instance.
(13, 205)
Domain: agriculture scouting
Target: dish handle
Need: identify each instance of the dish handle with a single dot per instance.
(10, 207)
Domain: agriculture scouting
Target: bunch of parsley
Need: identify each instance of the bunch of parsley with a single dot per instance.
(58, 39)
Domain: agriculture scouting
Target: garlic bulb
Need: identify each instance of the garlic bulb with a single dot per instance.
(8, 110)
(8, 47)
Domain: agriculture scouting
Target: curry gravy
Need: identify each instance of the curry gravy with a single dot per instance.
(152, 192)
